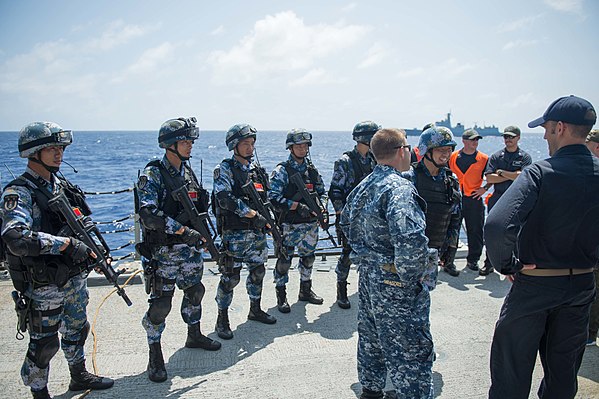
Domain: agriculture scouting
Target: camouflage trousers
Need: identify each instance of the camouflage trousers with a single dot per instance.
(344, 262)
(394, 334)
(179, 266)
(304, 236)
(242, 246)
(71, 323)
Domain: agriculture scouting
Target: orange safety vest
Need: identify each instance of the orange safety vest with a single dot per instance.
(472, 179)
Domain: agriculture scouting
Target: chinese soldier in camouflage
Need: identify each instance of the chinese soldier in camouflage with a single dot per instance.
(349, 170)
(48, 268)
(441, 191)
(173, 247)
(384, 222)
(299, 223)
(242, 228)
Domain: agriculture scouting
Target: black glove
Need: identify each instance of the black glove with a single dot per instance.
(303, 210)
(78, 251)
(192, 238)
(259, 221)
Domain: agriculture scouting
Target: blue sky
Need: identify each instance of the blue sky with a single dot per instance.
(322, 65)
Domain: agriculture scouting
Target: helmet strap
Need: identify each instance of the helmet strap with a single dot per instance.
(248, 158)
(429, 158)
(176, 152)
(51, 169)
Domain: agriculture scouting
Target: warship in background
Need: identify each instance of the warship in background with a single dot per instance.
(459, 129)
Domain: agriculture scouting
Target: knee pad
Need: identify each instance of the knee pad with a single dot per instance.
(231, 279)
(45, 349)
(160, 308)
(283, 265)
(308, 261)
(195, 293)
(257, 274)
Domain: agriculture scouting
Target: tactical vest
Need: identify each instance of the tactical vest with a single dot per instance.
(46, 269)
(229, 220)
(172, 208)
(360, 170)
(440, 197)
(310, 178)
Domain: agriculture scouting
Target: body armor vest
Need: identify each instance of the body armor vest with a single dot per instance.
(229, 220)
(310, 177)
(360, 170)
(173, 208)
(440, 197)
(46, 269)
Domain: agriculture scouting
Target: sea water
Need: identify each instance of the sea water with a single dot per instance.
(110, 160)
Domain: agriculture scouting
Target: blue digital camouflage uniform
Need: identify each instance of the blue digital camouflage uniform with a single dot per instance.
(342, 183)
(385, 224)
(304, 236)
(179, 264)
(72, 297)
(245, 246)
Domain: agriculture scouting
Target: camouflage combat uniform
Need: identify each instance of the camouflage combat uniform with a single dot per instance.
(177, 264)
(243, 245)
(304, 236)
(384, 222)
(345, 178)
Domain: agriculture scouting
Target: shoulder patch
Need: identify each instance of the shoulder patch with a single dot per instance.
(217, 172)
(11, 201)
(141, 183)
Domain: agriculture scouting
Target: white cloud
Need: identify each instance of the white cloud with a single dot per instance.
(375, 55)
(349, 7)
(523, 100)
(117, 34)
(409, 73)
(152, 58)
(519, 43)
(317, 76)
(218, 31)
(453, 67)
(574, 6)
(518, 24)
(280, 43)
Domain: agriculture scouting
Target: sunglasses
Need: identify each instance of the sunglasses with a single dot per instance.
(409, 147)
(508, 137)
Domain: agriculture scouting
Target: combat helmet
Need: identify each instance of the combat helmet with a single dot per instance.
(364, 131)
(433, 137)
(38, 135)
(239, 132)
(298, 136)
(178, 129)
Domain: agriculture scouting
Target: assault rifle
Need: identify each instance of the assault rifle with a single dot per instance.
(199, 221)
(265, 209)
(313, 202)
(83, 231)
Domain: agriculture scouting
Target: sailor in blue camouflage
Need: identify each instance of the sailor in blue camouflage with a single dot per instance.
(299, 224)
(37, 242)
(349, 170)
(384, 222)
(173, 245)
(243, 228)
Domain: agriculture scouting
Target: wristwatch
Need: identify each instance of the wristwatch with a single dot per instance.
(499, 172)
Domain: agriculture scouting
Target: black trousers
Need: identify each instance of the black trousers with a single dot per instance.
(548, 315)
(473, 213)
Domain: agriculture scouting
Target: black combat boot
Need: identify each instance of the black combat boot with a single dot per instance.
(342, 300)
(486, 269)
(368, 394)
(306, 293)
(222, 324)
(195, 339)
(259, 315)
(81, 379)
(156, 369)
(282, 304)
(43, 394)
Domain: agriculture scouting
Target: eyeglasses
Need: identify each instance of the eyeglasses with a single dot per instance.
(409, 147)
(508, 137)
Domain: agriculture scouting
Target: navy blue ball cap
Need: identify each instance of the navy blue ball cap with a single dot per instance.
(570, 109)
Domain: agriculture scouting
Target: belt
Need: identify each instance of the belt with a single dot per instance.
(555, 272)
